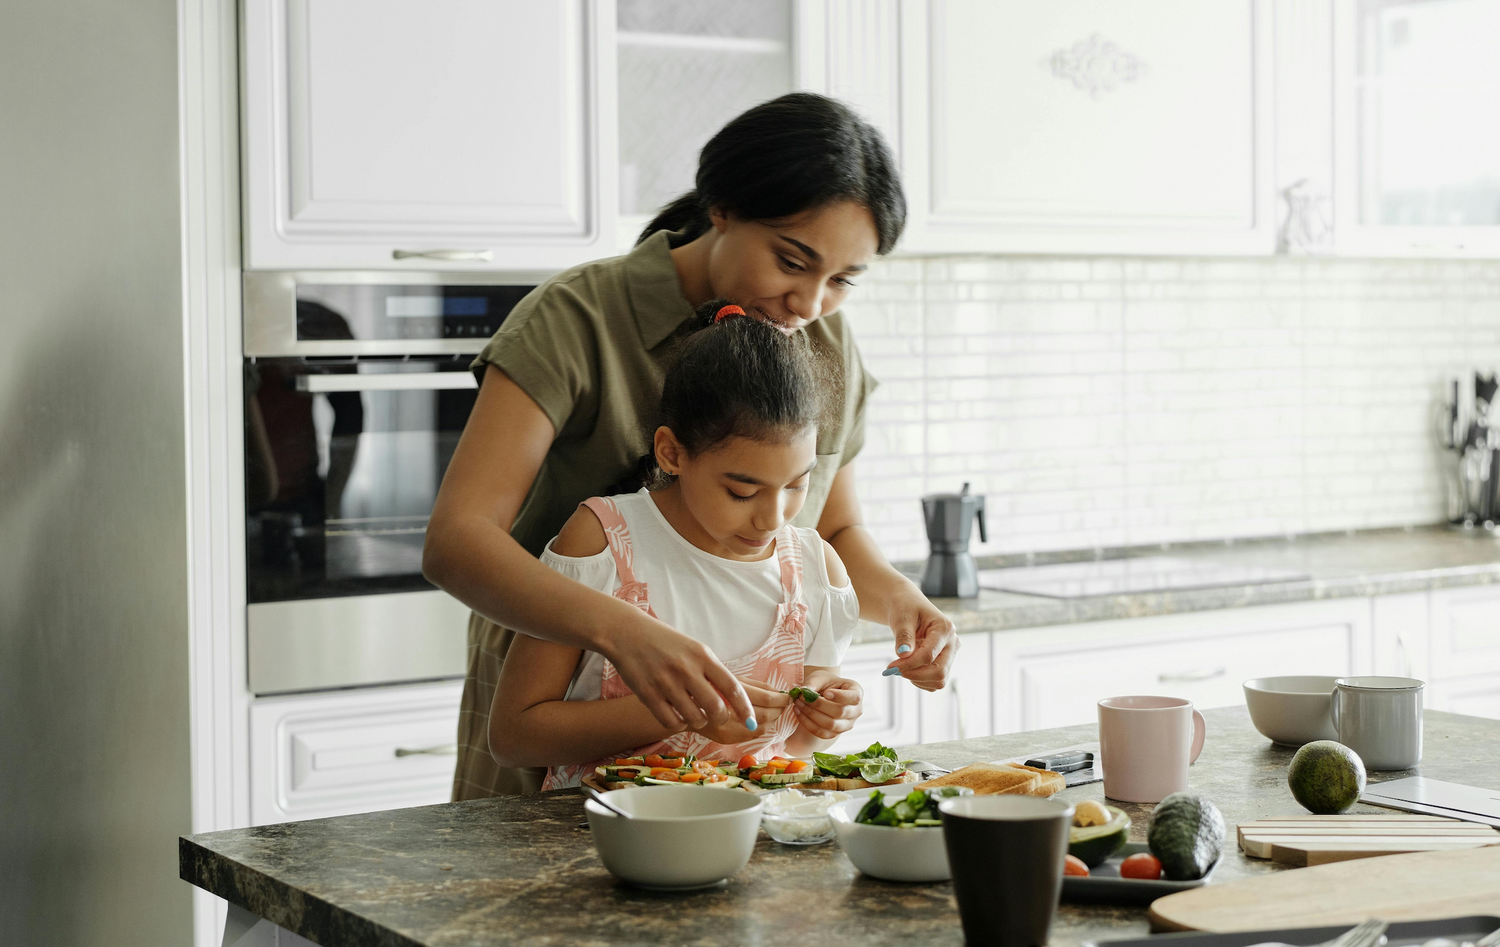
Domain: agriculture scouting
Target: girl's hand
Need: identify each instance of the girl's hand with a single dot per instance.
(679, 679)
(840, 703)
(928, 635)
(769, 705)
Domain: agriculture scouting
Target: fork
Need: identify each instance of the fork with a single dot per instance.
(1367, 934)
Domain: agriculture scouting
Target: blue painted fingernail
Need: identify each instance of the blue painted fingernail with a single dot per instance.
(903, 649)
(891, 672)
(749, 723)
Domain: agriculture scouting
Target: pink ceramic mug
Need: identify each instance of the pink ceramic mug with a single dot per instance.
(1147, 744)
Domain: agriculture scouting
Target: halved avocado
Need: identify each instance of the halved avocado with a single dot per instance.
(1092, 844)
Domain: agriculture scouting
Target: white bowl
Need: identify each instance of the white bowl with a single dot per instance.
(798, 816)
(1292, 710)
(681, 837)
(893, 854)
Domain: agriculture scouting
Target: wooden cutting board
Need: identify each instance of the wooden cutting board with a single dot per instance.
(1416, 887)
(1303, 840)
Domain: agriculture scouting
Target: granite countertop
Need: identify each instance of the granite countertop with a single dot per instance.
(1339, 565)
(520, 870)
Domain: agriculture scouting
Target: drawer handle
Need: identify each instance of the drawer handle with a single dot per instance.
(445, 749)
(449, 256)
(1182, 676)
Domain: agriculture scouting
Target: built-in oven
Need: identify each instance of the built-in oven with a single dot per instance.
(357, 387)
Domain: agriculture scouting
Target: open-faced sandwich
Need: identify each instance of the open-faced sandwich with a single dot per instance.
(874, 766)
(997, 778)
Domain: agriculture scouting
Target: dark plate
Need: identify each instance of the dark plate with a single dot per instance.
(1399, 935)
(1105, 886)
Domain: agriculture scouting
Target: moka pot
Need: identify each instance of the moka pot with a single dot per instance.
(950, 570)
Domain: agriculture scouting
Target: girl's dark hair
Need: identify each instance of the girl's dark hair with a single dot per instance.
(798, 152)
(738, 377)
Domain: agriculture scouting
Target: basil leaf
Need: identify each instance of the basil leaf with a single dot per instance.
(835, 765)
(880, 770)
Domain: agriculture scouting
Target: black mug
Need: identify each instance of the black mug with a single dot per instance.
(1006, 855)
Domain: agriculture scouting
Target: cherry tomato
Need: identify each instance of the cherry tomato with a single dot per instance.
(1141, 865)
(655, 760)
(748, 762)
(797, 766)
(756, 774)
(690, 777)
(1073, 865)
(667, 775)
(627, 773)
(673, 762)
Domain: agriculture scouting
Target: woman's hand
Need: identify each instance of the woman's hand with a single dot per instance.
(681, 681)
(839, 704)
(769, 705)
(926, 634)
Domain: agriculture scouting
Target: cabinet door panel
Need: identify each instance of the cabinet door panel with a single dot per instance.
(891, 704)
(1130, 126)
(466, 128)
(1475, 696)
(1465, 630)
(1052, 677)
(436, 114)
(355, 751)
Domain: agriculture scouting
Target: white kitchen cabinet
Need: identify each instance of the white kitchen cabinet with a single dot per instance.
(363, 750)
(1088, 126)
(1416, 142)
(1464, 632)
(448, 134)
(1054, 677)
(964, 708)
(1476, 696)
(892, 709)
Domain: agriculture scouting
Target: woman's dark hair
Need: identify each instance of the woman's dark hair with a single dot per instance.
(799, 152)
(738, 377)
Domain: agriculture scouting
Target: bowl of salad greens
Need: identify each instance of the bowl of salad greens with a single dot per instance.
(897, 836)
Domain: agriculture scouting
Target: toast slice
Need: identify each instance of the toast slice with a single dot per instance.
(997, 778)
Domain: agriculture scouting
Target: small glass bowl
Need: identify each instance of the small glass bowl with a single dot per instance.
(800, 816)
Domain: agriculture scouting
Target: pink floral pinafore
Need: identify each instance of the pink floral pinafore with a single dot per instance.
(778, 661)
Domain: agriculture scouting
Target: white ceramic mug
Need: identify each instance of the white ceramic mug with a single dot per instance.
(1147, 744)
(1380, 718)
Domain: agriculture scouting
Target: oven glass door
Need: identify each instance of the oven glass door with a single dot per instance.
(343, 459)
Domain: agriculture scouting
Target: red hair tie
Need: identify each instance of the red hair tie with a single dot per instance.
(726, 311)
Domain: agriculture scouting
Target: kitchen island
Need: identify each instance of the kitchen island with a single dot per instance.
(520, 870)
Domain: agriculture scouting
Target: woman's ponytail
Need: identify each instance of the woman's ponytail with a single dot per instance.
(686, 216)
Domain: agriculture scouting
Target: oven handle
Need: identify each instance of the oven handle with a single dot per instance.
(405, 381)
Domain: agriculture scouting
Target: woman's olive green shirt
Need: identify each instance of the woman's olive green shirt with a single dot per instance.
(590, 347)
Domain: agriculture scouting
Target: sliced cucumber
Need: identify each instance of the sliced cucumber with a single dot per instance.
(784, 779)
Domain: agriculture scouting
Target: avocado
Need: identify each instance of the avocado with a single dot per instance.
(1326, 777)
(1093, 844)
(1187, 834)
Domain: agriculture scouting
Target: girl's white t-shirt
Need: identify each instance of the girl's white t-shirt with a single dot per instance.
(727, 604)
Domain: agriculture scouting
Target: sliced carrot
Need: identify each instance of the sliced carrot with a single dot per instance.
(797, 766)
(778, 764)
(690, 777)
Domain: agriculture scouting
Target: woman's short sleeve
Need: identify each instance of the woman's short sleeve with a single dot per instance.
(596, 571)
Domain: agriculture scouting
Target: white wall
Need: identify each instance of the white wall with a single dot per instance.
(1104, 402)
(94, 785)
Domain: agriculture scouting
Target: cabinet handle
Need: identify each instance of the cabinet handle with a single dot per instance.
(1181, 676)
(446, 749)
(451, 256)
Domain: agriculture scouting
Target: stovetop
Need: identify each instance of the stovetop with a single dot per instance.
(1128, 576)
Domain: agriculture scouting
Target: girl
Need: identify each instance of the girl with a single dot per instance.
(711, 551)
(793, 201)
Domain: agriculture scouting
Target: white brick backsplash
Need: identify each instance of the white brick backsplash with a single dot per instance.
(1120, 402)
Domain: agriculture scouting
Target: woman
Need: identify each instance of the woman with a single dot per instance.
(794, 198)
